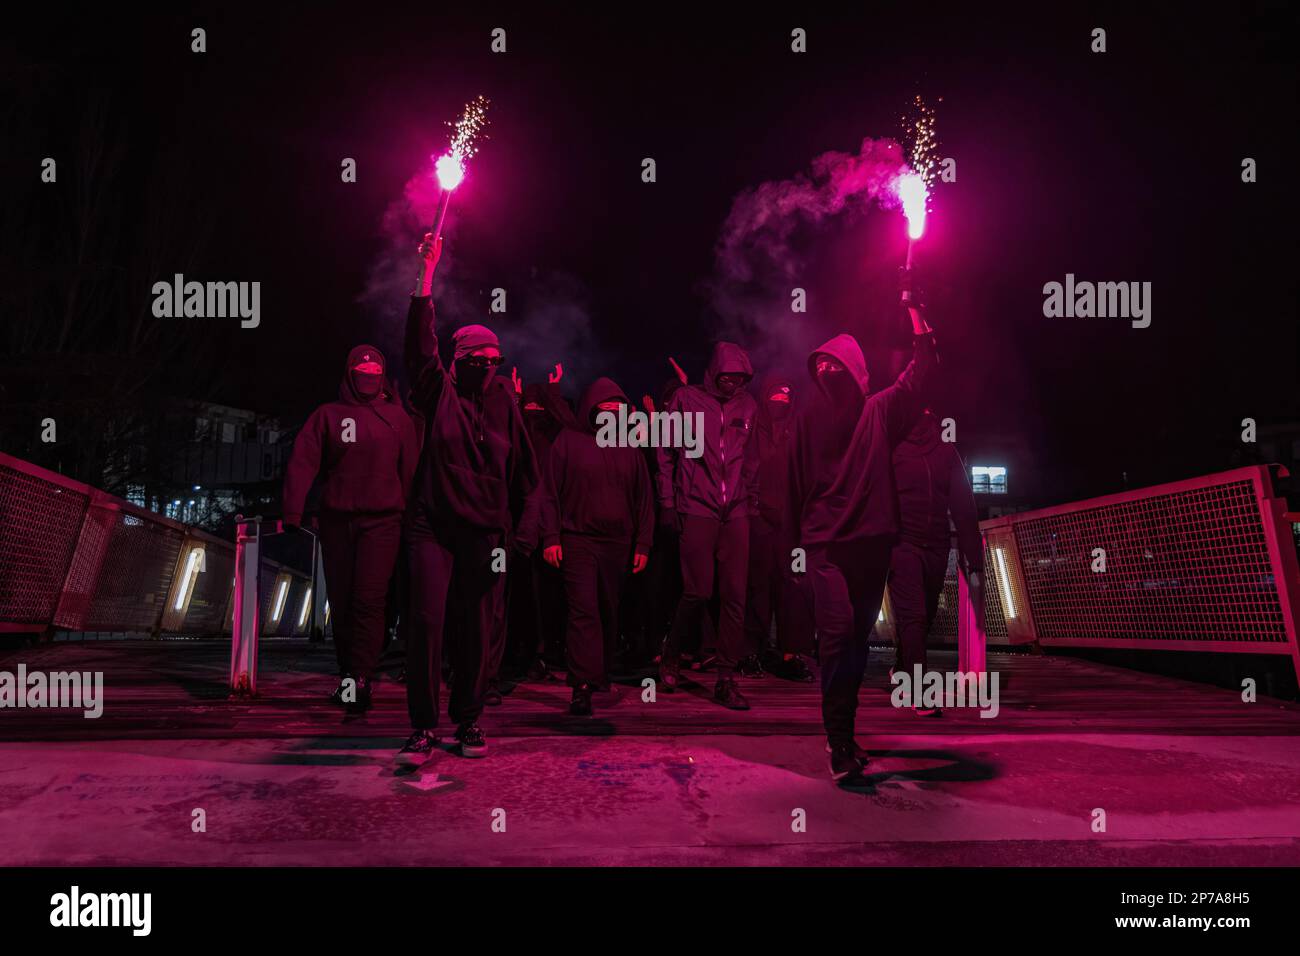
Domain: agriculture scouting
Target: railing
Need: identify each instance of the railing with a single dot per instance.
(74, 558)
(1207, 564)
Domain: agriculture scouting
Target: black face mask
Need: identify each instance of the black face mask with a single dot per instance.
(367, 384)
(840, 386)
(473, 377)
(779, 411)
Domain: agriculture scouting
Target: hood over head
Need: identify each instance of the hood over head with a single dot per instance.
(360, 387)
(601, 390)
(843, 348)
(465, 340)
(728, 357)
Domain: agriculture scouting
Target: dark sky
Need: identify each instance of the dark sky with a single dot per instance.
(1118, 166)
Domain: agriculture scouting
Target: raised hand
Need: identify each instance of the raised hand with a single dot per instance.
(554, 377)
(681, 375)
(648, 404)
(431, 250)
(516, 380)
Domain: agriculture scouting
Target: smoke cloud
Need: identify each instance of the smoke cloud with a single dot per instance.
(767, 243)
(547, 317)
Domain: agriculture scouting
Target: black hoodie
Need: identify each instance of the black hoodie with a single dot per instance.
(476, 458)
(721, 482)
(771, 444)
(543, 428)
(365, 448)
(595, 491)
(931, 483)
(841, 474)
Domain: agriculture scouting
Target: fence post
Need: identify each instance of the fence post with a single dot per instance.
(244, 631)
(971, 638)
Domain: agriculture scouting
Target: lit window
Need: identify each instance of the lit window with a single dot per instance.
(988, 479)
(193, 564)
(306, 606)
(1007, 604)
(281, 594)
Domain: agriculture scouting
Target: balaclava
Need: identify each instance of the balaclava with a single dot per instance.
(366, 385)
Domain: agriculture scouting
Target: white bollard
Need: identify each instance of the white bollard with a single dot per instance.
(246, 624)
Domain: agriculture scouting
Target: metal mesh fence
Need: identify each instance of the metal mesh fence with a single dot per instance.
(1186, 564)
(39, 520)
(944, 628)
(123, 572)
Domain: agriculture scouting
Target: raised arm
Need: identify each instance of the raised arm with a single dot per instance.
(423, 366)
(903, 400)
(553, 400)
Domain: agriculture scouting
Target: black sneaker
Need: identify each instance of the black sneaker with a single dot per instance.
(859, 752)
(363, 696)
(750, 666)
(670, 668)
(472, 741)
(728, 695)
(418, 748)
(846, 768)
(794, 668)
(538, 672)
(580, 706)
(492, 696)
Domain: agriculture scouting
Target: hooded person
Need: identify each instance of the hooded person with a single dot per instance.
(535, 589)
(363, 446)
(843, 515)
(597, 521)
(475, 461)
(772, 589)
(931, 486)
(706, 489)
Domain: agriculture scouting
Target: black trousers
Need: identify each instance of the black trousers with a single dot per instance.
(594, 570)
(537, 614)
(359, 552)
(848, 583)
(455, 592)
(709, 547)
(773, 590)
(915, 582)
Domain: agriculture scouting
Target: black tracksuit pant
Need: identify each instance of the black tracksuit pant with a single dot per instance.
(848, 584)
(359, 552)
(772, 590)
(455, 592)
(915, 582)
(594, 569)
(709, 547)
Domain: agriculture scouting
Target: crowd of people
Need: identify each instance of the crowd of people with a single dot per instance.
(508, 539)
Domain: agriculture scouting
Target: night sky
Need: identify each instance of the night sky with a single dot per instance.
(1122, 166)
